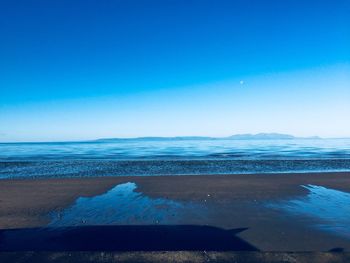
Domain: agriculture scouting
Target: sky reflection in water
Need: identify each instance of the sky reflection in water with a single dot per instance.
(122, 205)
(331, 208)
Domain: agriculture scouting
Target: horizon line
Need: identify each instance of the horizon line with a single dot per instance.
(231, 137)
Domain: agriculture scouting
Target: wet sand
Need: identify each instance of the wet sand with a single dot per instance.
(175, 257)
(236, 203)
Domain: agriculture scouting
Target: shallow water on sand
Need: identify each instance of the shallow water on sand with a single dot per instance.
(329, 209)
(123, 205)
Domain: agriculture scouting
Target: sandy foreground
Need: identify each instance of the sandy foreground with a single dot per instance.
(236, 205)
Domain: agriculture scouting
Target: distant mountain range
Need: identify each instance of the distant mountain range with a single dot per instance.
(268, 136)
(259, 136)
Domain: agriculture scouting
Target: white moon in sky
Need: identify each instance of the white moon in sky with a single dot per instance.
(241, 82)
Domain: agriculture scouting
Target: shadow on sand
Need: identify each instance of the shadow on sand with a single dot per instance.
(124, 238)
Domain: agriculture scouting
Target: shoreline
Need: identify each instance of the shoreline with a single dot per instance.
(92, 168)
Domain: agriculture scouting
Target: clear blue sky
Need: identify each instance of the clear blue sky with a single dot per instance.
(73, 70)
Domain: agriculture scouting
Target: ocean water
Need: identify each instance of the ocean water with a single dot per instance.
(172, 157)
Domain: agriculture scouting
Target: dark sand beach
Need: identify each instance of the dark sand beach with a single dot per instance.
(230, 213)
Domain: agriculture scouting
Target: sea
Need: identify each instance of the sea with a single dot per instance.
(158, 157)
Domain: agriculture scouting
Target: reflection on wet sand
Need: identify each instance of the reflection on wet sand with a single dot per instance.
(330, 208)
(122, 205)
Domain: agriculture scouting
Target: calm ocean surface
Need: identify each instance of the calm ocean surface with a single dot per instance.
(172, 157)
